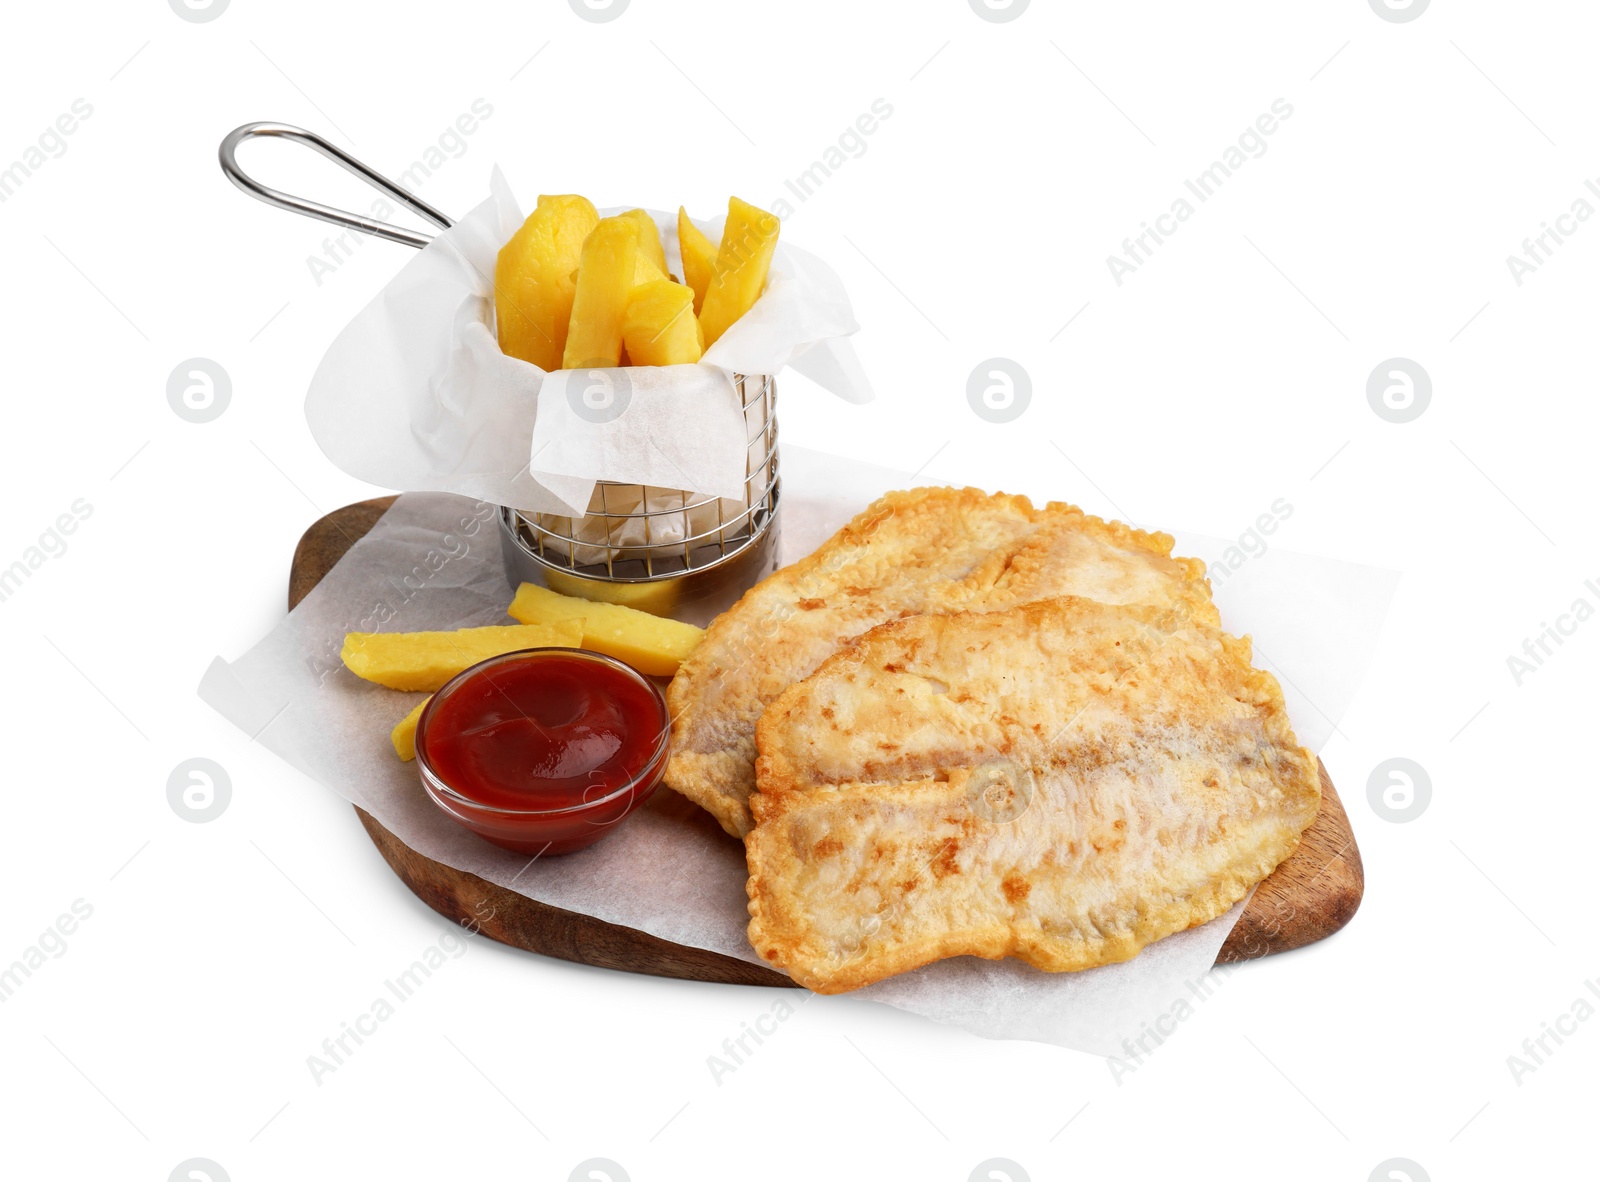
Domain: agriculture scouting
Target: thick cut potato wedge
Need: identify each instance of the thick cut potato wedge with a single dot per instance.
(748, 240)
(660, 328)
(426, 660)
(646, 271)
(605, 280)
(699, 256)
(404, 735)
(651, 644)
(533, 285)
(649, 239)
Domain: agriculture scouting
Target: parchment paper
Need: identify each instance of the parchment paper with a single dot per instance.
(671, 426)
(434, 562)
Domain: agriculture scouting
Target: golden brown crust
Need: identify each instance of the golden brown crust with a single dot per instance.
(911, 552)
(1063, 782)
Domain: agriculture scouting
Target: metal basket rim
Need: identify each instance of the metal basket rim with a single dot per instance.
(699, 540)
(533, 523)
(509, 529)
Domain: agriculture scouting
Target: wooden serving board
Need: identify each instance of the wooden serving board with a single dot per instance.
(1309, 897)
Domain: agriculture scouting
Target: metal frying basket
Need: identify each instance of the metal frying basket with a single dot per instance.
(662, 550)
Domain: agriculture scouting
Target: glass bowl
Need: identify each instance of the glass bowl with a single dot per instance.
(555, 830)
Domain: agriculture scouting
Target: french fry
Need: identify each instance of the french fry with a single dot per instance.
(426, 660)
(645, 270)
(649, 239)
(660, 327)
(605, 280)
(533, 286)
(748, 240)
(699, 256)
(404, 735)
(651, 644)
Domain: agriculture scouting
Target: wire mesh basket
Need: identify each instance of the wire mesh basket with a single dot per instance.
(663, 550)
(657, 548)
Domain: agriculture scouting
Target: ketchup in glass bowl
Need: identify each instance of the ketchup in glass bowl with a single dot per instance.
(543, 751)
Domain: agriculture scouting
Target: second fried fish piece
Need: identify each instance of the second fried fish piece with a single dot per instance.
(1064, 782)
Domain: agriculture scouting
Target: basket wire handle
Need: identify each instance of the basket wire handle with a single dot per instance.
(226, 155)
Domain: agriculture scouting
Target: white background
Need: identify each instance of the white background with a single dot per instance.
(1227, 372)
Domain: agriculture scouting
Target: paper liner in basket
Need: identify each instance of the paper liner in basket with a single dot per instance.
(416, 395)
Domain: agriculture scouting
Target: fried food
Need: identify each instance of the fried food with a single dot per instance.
(606, 274)
(699, 255)
(660, 327)
(749, 238)
(644, 271)
(533, 279)
(566, 279)
(653, 645)
(926, 550)
(404, 735)
(650, 240)
(426, 660)
(1063, 782)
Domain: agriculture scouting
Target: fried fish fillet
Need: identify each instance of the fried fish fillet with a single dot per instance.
(926, 550)
(1064, 782)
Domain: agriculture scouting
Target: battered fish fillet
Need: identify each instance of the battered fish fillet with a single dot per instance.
(926, 550)
(1063, 782)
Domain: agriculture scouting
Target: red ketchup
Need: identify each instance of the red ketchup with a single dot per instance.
(543, 751)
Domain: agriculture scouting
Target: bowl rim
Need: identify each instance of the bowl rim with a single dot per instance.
(436, 786)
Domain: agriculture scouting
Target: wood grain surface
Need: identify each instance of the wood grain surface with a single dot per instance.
(1309, 897)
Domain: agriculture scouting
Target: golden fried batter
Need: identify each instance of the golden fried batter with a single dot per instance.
(1063, 782)
(926, 550)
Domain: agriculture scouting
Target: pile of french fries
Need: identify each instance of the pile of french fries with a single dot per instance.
(421, 662)
(574, 290)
